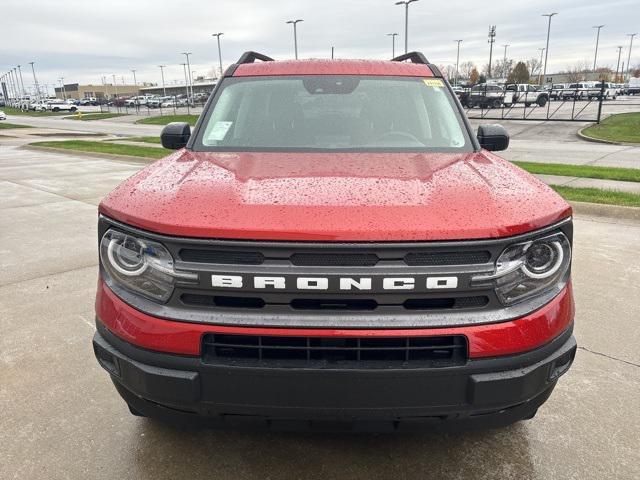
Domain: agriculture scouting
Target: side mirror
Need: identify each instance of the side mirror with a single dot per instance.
(493, 137)
(175, 135)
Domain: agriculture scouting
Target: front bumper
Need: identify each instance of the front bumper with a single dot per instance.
(483, 393)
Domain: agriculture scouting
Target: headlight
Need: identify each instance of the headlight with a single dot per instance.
(530, 268)
(140, 265)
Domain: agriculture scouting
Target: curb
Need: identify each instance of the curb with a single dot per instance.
(605, 142)
(603, 210)
(110, 156)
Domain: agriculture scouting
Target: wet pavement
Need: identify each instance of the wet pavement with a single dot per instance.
(61, 417)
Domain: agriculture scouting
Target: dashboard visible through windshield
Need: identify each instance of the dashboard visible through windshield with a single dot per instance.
(333, 113)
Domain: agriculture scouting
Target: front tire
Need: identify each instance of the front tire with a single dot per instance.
(542, 101)
(496, 103)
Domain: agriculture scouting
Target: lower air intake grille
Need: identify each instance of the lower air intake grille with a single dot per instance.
(332, 352)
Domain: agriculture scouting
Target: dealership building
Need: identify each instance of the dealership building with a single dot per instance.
(78, 91)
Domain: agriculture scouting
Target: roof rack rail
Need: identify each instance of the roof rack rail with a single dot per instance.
(246, 57)
(415, 57)
(250, 57)
(418, 57)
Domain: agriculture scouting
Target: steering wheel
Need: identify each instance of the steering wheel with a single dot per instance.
(399, 135)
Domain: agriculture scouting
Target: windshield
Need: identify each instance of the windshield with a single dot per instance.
(333, 112)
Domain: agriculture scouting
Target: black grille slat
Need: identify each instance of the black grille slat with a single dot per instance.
(221, 256)
(334, 259)
(439, 351)
(446, 258)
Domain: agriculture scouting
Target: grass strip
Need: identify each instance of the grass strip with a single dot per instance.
(85, 117)
(155, 140)
(106, 147)
(31, 113)
(4, 125)
(597, 195)
(165, 119)
(623, 127)
(582, 171)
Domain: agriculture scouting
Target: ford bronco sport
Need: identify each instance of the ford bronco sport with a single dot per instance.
(332, 247)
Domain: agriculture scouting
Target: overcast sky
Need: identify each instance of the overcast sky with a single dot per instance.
(83, 40)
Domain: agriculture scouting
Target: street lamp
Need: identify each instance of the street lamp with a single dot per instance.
(64, 93)
(35, 80)
(630, 47)
(595, 58)
(295, 34)
(457, 60)
(406, 21)
(217, 35)
(619, 47)
(540, 68)
(186, 54)
(546, 55)
(21, 82)
(115, 85)
(393, 43)
(504, 60)
(164, 89)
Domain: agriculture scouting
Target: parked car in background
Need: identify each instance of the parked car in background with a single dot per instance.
(608, 92)
(3, 116)
(486, 96)
(525, 93)
(60, 106)
(463, 94)
(555, 93)
(633, 87)
(576, 91)
(168, 102)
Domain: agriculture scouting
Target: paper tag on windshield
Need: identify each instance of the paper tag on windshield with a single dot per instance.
(219, 130)
(433, 82)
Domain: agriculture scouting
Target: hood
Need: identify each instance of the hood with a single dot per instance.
(335, 197)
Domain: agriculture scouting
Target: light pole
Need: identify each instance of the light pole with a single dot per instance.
(186, 82)
(619, 47)
(35, 80)
(21, 82)
(504, 60)
(540, 68)
(546, 55)
(64, 93)
(295, 34)
(393, 43)
(406, 22)
(164, 89)
(630, 47)
(595, 58)
(217, 35)
(491, 41)
(115, 85)
(186, 54)
(457, 60)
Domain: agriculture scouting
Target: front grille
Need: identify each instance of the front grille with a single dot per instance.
(334, 259)
(337, 303)
(358, 352)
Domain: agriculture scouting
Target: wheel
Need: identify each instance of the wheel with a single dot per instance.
(135, 412)
(470, 104)
(72, 109)
(496, 103)
(527, 104)
(542, 101)
(56, 109)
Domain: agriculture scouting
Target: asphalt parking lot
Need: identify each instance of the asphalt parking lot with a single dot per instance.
(61, 417)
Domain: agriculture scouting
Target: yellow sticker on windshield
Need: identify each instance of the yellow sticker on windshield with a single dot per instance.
(433, 82)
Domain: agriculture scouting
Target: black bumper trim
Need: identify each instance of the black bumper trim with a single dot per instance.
(498, 390)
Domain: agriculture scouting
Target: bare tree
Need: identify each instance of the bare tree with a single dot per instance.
(502, 68)
(465, 69)
(578, 72)
(534, 65)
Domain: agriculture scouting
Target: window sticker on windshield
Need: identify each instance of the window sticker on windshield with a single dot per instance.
(433, 82)
(219, 130)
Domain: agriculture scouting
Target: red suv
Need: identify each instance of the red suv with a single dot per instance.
(334, 248)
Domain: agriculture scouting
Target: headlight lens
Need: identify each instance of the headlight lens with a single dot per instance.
(140, 265)
(530, 268)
